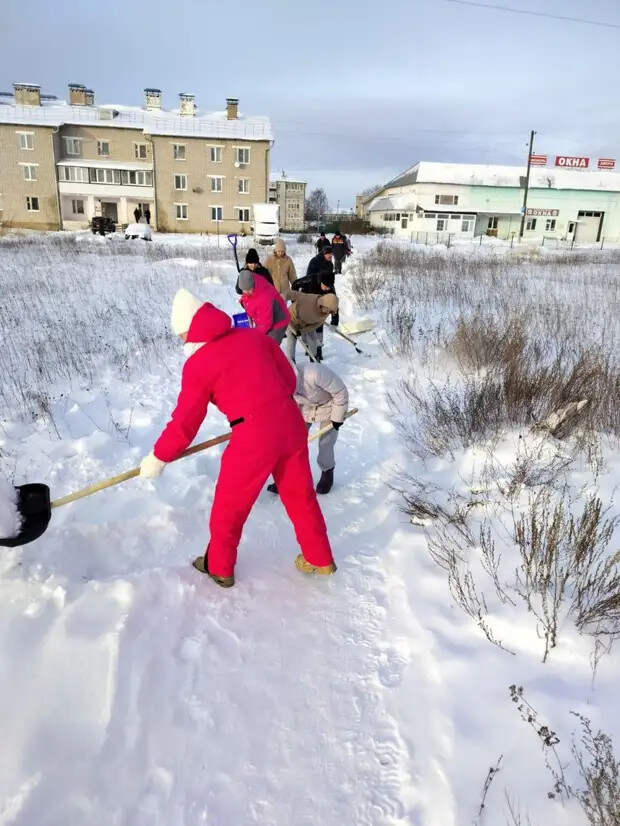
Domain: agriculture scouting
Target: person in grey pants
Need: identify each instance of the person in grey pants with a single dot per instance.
(323, 399)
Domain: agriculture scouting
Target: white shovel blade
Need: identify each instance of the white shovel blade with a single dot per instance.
(354, 328)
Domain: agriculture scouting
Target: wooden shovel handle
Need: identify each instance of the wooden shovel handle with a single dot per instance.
(329, 427)
(130, 474)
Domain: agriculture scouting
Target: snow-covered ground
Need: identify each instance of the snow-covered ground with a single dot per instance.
(136, 692)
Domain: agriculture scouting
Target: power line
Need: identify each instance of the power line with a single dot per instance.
(536, 13)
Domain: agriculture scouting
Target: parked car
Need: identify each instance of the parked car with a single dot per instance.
(102, 225)
(138, 231)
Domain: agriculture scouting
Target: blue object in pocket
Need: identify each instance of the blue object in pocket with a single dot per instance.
(241, 320)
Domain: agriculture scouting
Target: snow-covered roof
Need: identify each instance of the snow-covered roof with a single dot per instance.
(153, 122)
(509, 176)
(399, 202)
(275, 179)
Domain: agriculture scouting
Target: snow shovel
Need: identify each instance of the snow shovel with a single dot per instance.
(350, 340)
(35, 507)
(232, 240)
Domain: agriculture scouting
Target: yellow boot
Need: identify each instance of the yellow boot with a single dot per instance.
(307, 568)
(223, 581)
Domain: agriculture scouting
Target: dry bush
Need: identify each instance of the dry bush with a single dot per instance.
(565, 568)
(600, 772)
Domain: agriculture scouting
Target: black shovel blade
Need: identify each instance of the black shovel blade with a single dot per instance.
(33, 502)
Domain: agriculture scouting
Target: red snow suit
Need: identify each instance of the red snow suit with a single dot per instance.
(266, 307)
(246, 375)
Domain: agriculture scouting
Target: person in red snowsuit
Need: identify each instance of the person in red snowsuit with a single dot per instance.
(264, 305)
(245, 374)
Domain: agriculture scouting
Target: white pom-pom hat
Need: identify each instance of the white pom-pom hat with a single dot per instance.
(184, 308)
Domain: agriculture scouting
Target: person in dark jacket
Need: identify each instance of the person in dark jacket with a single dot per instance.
(319, 280)
(137, 214)
(147, 215)
(341, 248)
(321, 243)
(252, 263)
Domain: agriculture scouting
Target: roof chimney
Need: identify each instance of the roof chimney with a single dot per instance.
(187, 105)
(232, 108)
(152, 98)
(77, 94)
(90, 97)
(27, 94)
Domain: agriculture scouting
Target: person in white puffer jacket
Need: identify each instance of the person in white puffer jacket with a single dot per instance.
(322, 398)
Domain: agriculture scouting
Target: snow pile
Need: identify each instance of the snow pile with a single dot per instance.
(10, 518)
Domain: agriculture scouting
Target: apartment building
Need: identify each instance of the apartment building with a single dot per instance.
(63, 163)
(291, 196)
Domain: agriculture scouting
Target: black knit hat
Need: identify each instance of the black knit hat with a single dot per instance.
(327, 248)
(252, 257)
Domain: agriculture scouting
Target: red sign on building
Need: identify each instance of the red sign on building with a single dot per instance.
(538, 160)
(606, 163)
(570, 162)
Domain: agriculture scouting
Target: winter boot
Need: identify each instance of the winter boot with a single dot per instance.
(223, 581)
(306, 568)
(273, 488)
(319, 353)
(326, 481)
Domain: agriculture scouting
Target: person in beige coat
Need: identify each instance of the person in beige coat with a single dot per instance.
(323, 399)
(281, 267)
(308, 311)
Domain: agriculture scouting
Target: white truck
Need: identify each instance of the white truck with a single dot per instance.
(266, 225)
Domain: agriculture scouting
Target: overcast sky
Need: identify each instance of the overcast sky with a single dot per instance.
(357, 91)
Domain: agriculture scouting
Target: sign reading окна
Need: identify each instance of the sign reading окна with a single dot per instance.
(553, 213)
(571, 162)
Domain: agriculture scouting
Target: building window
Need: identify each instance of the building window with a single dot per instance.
(550, 225)
(30, 171)
(215, 153)
(571, 227)
(77, 206)
(243, 187)
(105, 176)
(216, 183)
(180, 181)
(242, 154)
(26, 140)
(32, 203)
(467, 224)
(243, 214)
(441, 224)
(139, 151)
(136, 177)
(103, 148)
(181, 212)
(76, 174)
(217, 213)
(493, 220)
(531, 224)
(178, 151)
(447, 199)
(73, 146)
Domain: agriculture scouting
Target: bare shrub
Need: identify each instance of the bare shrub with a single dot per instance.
(442, 419)
(564, 560)
(548, 740)
(600, 771)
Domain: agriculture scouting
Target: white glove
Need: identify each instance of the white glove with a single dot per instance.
(151, 466)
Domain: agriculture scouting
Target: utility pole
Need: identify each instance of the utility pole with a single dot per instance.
(527, 185)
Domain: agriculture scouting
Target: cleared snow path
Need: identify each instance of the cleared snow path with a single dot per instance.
(137, 692)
